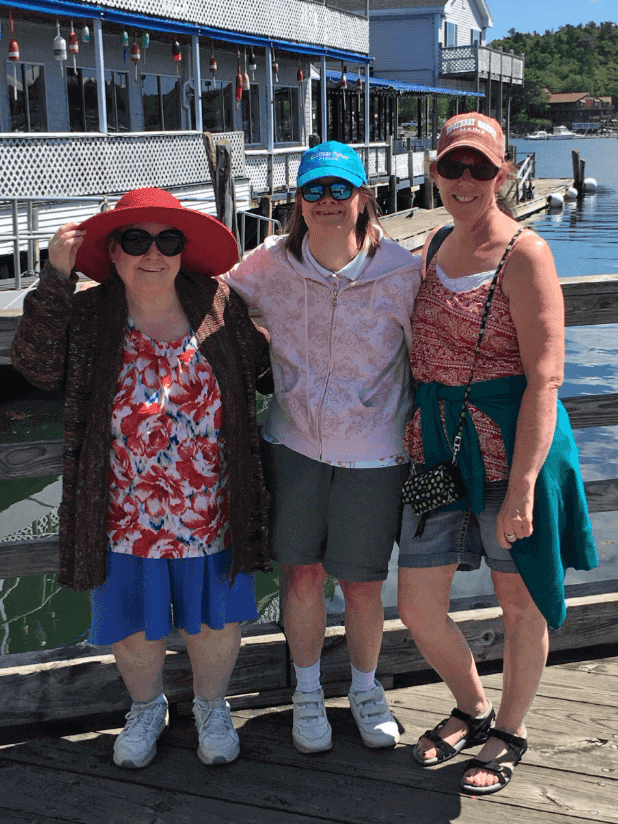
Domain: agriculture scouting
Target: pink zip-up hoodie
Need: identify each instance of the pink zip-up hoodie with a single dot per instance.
(340, 356)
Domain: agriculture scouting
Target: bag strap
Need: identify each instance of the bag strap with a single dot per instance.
(490, 296)
(436, 241)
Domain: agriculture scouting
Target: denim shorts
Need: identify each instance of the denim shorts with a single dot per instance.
(346, 519)
(457, 537)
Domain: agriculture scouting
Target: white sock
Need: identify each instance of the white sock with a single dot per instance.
(308, 678)
(362, 681)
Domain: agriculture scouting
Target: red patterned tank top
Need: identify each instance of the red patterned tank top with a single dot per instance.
(445, 329)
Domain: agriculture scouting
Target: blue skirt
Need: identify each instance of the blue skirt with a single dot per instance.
(155, 595)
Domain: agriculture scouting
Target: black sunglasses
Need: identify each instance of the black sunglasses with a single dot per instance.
(136, 242)
(339, 190)
(453, 169)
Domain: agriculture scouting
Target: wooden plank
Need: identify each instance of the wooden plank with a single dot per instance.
(31, 459)
(37, 556)
(33, 691)
(377, 786)
(37, 792)
(590, 299)
(593, 410)
(602, 496)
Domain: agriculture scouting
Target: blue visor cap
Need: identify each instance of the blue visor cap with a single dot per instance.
(331, 159)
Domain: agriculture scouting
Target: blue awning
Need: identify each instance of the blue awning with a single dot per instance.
(399, 86)
(79, 11)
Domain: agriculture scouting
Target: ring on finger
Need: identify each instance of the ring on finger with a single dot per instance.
(510, 537)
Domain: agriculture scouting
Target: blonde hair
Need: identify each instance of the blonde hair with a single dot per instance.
(367, 225)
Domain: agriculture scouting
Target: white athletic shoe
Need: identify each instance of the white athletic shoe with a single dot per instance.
(311, 731)
(375, 721)
(218, 740)
(136, 746)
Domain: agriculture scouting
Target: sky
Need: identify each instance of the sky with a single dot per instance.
(540, 15)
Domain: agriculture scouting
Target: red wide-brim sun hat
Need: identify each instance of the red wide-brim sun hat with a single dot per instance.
(211, 248)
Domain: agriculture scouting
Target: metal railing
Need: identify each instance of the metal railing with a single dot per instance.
(32, 234)
(526, 172)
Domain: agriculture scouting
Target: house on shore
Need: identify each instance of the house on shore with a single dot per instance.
(580, 111)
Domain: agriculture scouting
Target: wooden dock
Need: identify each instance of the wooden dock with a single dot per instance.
(411, 228)
(569, 774)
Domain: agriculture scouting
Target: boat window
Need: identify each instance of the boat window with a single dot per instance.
(27, 105)
(251, 114)
(286, 115)
(161, 102)
(83, 101)
(117, 101)
(217, 107)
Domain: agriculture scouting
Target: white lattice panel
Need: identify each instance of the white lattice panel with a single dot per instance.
(279, 178)
(73, 166)
(285, 20)
(257, 170)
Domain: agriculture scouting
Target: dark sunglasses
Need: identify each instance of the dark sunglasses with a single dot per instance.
(136, 242)
(339, 190)
(453, 169)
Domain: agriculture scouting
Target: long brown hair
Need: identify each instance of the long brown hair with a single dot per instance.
(367, 225)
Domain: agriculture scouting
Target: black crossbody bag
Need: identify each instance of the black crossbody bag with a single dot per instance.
(431, 489)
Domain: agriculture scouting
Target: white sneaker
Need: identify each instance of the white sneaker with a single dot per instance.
(136, 746)
(375, 721)
(218, 740)
(311, 731)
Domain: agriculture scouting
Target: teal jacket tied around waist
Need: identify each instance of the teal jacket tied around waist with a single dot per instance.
(562, 535)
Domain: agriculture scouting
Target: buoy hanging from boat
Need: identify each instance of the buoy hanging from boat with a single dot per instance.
(85, 34)
(13, 54)
(239, 80)
(145, 42)
(176, 55)
(252, 65)
(213, 65)
(246, 82)
(136, 54)
(275, 68)
(73, 46)
(60, 48)
(555, 200)
(300, 74)
(359, 81)
(590, 184)
(571, 193)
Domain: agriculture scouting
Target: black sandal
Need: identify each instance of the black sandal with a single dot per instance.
(478, 730)
(515, 749)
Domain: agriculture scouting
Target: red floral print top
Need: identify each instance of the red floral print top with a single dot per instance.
(445, 328)
(168, 496)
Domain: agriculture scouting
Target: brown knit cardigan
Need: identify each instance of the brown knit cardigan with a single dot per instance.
(76, 340)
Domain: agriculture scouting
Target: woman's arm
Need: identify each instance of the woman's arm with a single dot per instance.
(39, 346)
(536, 305)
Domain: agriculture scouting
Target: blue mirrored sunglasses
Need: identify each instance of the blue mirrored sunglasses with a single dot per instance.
(339, 190)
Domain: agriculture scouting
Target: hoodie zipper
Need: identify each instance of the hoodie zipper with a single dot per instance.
(336, 290)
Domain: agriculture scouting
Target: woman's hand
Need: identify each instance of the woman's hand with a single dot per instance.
(515, 517)
(63, 247)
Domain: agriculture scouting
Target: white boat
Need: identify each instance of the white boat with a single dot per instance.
(561, 133)
(540, 135)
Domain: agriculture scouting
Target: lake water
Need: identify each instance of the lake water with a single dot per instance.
(35, 613)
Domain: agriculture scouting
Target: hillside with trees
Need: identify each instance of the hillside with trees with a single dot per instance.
(580, 58)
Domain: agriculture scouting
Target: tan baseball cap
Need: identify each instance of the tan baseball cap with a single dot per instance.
(473, 130)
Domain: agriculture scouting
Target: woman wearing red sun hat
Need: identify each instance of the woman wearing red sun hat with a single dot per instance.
(163, 496)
